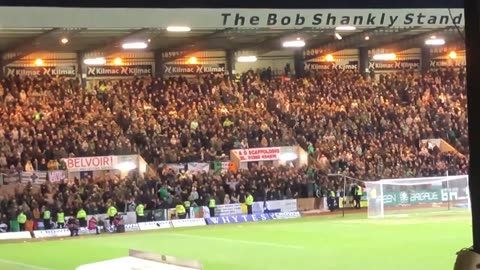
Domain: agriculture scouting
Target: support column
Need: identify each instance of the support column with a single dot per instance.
(2, 68)
(363, 61)
(426, 57)
(298, 63)
(159, 64)
(82, 68)
(472, 32)
(230, 59)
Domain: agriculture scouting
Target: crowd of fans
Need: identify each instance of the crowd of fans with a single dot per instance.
(367, 128)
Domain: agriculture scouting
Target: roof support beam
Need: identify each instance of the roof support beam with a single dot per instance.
(413, 41)
(25, 48)
(270, 44)
(334, 46)
(196, 44)
(111, 46)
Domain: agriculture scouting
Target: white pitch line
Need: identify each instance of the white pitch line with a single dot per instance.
(24, 265)
(237, 241)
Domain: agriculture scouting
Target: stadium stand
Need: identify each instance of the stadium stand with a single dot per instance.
(367, 128)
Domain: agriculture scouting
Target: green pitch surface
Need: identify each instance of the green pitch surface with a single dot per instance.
(422, 242)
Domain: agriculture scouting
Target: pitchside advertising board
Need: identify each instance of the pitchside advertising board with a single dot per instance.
(193, 69)
(158, 225)
(422, 196)
(192, 222)
(60, 71)
(252, 218)
(394, 65)
(59, 233)
(120, 71)
(258, 208)
(325, 65)
(15, 235)
(154, 225)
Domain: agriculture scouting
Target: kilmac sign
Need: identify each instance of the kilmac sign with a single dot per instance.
(395, 65)
(120, 71)
(193, 69)
(318, 66)
(60, 71)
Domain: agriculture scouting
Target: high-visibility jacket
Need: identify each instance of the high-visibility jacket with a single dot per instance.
(140, 210)
(112, 211)
(187, 204)
(373, 193)
(359, 191)
(47, 214)
(212, 203)
(22, 218)
(81, 214)
(332, 193)
(61, 217)
(249, 200)
(180, 209)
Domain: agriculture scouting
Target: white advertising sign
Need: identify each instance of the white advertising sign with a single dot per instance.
(258, 154)
(286, 215)
(59, 233)
(91, 163)
(154, 225)
(132, 227)
(195, 167)
(283, 205)
(15, 235)
(51, 233)
(191, 222)
(228, 209)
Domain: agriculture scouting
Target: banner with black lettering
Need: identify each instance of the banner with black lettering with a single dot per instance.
(193, 69)
(394, 65)
(325, 65)
(439, 63)
(120, 71)
(36, 178)
(60, 71)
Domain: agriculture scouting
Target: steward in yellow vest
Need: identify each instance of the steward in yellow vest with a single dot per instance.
(212, 204)
(60, 219)
(111, 212)
(140, 210)
(180, 209)
(47, 215)
(22, 219)
(82, 217)
(249, 203)
(187, 207)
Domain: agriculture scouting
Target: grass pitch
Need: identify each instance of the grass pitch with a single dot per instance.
(333, 243)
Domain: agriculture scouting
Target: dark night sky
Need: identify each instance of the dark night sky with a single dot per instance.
(243, 3)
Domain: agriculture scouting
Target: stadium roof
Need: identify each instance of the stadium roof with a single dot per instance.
(242, 3)
(212, 29)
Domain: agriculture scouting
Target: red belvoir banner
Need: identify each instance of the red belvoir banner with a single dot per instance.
(91, 163)
(258, 154)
